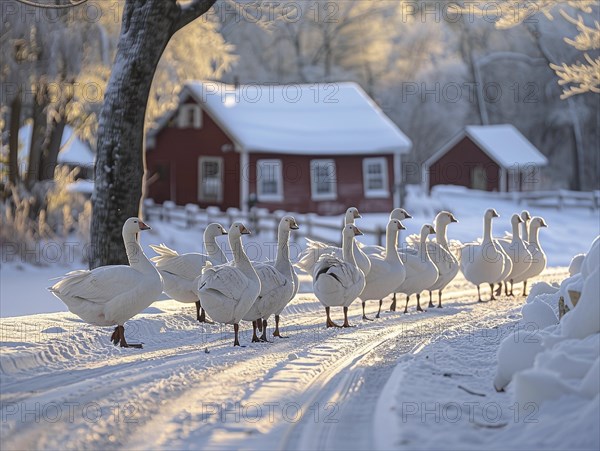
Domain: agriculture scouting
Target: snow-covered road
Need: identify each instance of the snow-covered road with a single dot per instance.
(65, 386)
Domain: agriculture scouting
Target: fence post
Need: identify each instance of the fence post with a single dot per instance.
(309, 225)
(168, 207)
(191, 210)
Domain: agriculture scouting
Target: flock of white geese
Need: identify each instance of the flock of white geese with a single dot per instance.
(244, 290)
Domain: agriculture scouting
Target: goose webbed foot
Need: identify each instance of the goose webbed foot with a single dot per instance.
(393, 304)
(115, 336)
(263, 337)
(329, 322)
(276, 332)
(118, 337)
(492, 297)
(236, 340)
(379, 311)
(346, 323)
(202, 317)
(430, 301)
(479, 294)
(498, 290)
(201, 314)
(255, 338)
(419, 309)
(364, 315)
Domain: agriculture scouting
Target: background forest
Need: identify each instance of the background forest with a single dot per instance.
(432, 67)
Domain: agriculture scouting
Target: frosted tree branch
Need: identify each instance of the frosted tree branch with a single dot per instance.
(584, 76)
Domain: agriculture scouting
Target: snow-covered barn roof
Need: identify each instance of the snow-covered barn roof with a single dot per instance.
(300, 119)
(73, 150)
(502, 143)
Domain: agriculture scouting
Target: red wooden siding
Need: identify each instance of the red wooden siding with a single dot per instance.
(173, 163)
(297, 185)
(172, 166)
(456, 167)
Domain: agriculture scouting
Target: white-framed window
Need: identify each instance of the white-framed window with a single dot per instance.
(190, 116)
(269, 180)
(375, 177)
(210, 179)
(323, 180)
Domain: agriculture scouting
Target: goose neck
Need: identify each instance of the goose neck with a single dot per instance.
(348, 249)
(487, 229)
(391, 243)
(440, 234)
(516, 233)
(534, 235)
(239, 255)
(213, 250)
(135, 254)
(283, 248)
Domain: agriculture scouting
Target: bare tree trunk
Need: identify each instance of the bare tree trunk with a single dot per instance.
(146, 28)
(13, 139)
(38, 135)
(51, 150)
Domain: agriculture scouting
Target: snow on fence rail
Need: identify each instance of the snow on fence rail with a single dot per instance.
(259, 220)
(557, 199)
(561, 198)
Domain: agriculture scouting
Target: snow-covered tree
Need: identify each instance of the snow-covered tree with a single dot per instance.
(583, 75)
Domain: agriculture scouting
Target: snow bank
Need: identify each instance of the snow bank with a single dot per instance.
(549, 362)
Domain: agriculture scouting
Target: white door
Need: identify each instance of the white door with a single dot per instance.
(210, 179)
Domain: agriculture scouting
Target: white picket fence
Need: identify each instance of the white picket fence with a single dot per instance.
(259, 220)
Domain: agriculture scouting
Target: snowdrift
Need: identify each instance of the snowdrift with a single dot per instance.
(554, 365)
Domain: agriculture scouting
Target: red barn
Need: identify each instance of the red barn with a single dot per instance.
(304, 148)
(487, 157)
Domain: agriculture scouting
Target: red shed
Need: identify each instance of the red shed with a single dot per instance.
(489, 158)
(304, 148)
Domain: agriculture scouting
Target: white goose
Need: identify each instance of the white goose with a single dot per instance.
(387, 270)
(228, 291)
(337, 282)
(110, 295)
(518, 253)
(439, 252)
(284, 265)
(315, 249)
(483, 262)
(421, 272)
(180, 271)
(397, 213)
(276, 282)
(538, 257)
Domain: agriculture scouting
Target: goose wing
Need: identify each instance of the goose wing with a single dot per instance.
(270, 278)
(230, 281)
(187, 266)
(346, 274)
(99, 285)
(313, 252)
